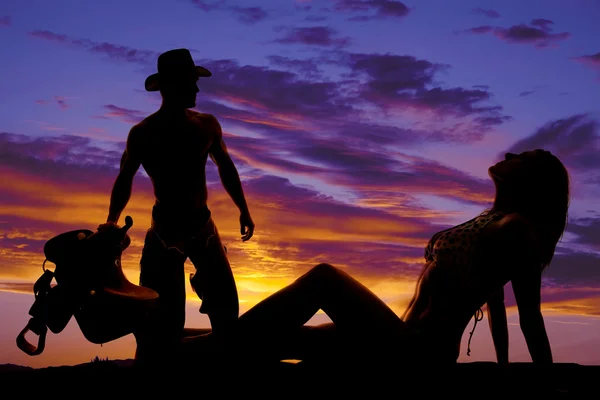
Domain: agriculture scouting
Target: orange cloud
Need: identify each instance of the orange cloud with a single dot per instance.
(297, 228)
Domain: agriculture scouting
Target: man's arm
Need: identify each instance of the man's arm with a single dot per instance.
(230, 177)
(130, 163)
(496, 311)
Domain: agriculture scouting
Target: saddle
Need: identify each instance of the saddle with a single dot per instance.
(90, 285)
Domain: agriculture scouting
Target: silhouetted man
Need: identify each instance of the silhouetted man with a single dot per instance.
(173, 145)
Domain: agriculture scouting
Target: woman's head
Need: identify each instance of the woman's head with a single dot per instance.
(536, 185)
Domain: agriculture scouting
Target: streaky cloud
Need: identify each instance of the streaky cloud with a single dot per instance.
(538, 33)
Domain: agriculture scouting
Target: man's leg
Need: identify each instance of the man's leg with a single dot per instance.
(162, 270)
(213, 281)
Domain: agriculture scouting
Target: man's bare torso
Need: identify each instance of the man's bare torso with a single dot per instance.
(173, 152)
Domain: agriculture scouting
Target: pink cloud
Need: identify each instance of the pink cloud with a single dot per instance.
(61, 102)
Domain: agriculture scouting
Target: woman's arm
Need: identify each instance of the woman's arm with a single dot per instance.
(527, 285)
(498, 325)
(410, 308)
(527, 288)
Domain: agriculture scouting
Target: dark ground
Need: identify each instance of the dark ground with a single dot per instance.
(477, 380)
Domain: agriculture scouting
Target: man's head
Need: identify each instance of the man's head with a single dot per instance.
(180, 92)
(177, 78)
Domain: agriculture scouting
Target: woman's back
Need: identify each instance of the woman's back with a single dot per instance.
(465, 266)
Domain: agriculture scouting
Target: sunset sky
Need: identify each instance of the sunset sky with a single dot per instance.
(359, 128)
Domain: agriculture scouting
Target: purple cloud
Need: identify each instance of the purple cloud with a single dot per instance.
(89, 164)
(587, 231)
(16, 243)
(540, 37)
(575, 140)
(58, 100)
(307, 8)
(208, 5)
(361, 170)
(250, 15)
(591, 60)
(288, 92)
(59, 166)
(544, 24)
(478, 30)
(375, 80)
(354, 158)
(372, 9)
(372, 175)
(574, 268)
(5, 21)
(486, 12)
(312, 36)
(533, 90)
(538, 32)
(392, 80)
(246, 15)
(126, 115)
(50, 156)
(76, 164)
(309, 68)
(335, 107)
(114, 52)
(316, 126)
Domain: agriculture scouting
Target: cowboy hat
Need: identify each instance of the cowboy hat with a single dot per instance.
(172, 65)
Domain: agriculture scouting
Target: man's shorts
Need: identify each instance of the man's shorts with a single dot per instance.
(173, 238)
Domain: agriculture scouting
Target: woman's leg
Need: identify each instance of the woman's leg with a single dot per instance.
(348, 303)
(275, 327)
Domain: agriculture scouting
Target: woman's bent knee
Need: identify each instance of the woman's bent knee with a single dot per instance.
(321, 273)
(324, 269)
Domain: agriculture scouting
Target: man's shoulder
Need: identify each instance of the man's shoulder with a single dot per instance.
(201, 117)
(143, 125)
(205, 122)
(139, 132)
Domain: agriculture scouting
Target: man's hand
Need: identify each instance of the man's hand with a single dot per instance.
(108, 225)
(246, 226)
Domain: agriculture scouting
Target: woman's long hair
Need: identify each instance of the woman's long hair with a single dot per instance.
(542, 193)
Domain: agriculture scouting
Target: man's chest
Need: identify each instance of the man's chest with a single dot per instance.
(177, 141)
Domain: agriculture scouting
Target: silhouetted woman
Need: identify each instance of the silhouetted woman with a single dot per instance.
(465, 267)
